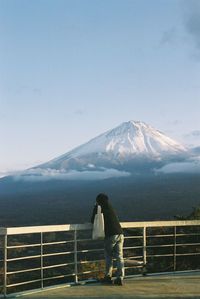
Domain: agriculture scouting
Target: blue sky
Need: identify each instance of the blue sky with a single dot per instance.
(72, 69)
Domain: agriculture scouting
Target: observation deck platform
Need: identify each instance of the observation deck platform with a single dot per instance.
(179, 285)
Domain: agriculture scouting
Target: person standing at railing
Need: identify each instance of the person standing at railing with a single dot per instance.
(113, 242)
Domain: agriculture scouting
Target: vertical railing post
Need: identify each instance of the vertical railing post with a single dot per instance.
(41, 261)
(5, 265)
(75, 257)
(174, 248)
(144, 246)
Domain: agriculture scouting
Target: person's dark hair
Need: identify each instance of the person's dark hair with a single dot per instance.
(102, 199)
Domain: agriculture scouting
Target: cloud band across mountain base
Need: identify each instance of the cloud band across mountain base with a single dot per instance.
(38, 174)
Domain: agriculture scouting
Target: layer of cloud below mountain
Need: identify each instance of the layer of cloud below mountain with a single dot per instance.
(35, 175)
(181, 167)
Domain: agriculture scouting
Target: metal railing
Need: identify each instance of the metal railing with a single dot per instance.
(38, 257)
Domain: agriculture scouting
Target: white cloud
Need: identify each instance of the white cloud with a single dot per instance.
(2, 174)
(53, 174)
(181, 167)
(8, 172)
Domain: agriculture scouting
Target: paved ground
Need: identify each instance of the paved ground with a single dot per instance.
(163, 286)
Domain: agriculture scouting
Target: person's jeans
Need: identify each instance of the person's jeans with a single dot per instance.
(114, 249)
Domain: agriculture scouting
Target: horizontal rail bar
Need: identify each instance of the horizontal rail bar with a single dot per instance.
(23, 271)
(88, 226)
(188, 244)
(36, 269)
(134, 257)
(23, 283)
(159, 246)
(57, 243)
(93, 271)
(23, 246)
(133, 247)
(133, 267)
(38, 244)
(57, 253)
(52, 266)
(171, 235)
(177, 254)
(89, 250)
(96, 261)
(133, 237)
(54, 254)
(171, 245)
(24, 258)
(88, 272)
(159, 236)
(37, 256)
(191, 253)
(57, 266)
(159, 255)
(193, 234)
(38, 280)
(88, 262)
(59, 276)
(160, 223)
(44, 229)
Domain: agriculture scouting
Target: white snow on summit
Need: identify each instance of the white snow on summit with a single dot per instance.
(129, 138)
(136, 137)
(132, 147)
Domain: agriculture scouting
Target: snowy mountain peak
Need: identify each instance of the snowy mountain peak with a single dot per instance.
(132, 127)
(133, 147)
(135, 137)
(128, 141)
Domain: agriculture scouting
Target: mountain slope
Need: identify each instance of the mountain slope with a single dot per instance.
(131, 140)
(131, 148)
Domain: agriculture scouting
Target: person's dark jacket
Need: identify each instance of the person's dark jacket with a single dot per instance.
(111, 221)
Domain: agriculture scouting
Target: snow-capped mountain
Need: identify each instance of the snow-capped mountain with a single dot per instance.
(132, 147)
(132, 140)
